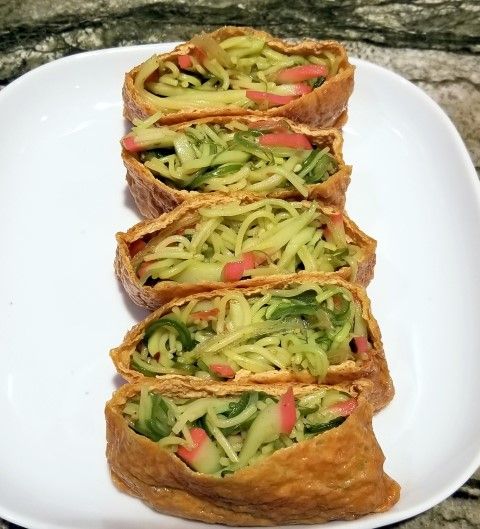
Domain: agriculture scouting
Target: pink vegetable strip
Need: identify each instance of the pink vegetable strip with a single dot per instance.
(222, 370)
(269, 98)
(199, 437)
(297, 74)
(345, 408)
(131, 145)
(185, 61)
(234, 270)
(293, 141)
(361, 344)
(204, 314)
(336, 230)
(288, 413)
(204, 456)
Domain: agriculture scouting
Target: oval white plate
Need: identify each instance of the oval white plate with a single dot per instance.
(62, 198)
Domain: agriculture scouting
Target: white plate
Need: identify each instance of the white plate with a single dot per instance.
(62, 198)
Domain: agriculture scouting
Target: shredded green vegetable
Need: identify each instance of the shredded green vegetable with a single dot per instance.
(226, 158)
(232, 432)
(220, 74)
(300, 329)
(269, 237)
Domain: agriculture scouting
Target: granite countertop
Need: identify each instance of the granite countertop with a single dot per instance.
(433, 43)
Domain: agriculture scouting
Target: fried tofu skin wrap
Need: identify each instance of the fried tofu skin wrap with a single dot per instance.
(247, 458)
(237, 71)
(242, 157)
(281, 333)
(218, 242)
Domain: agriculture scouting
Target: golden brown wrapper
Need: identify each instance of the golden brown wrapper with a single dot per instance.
(153, 196)
(186, 215)
(325, 106)
(337, 475)
(369, 371)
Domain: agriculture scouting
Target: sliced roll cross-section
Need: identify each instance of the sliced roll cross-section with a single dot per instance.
(243, 156)
(205, 244)
(311, 455)
(305, 332)
(241, 71)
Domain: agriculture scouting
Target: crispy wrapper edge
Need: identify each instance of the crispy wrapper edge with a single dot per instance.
(370, 374)
(324, 107)
(153, 197)
(336, 475)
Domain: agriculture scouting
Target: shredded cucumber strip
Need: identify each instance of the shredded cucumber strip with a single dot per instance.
(275, 236)
(243, 61)
(252, 433)
(203, 146)
(240, 333)
(258, 329)
(219, 437)
(197, 409)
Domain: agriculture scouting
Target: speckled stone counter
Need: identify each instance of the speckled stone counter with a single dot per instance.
(433, 43)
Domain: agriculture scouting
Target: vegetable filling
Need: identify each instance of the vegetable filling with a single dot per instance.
(305, 328)
(221, 435)
(232, 242)
(241, 71)
(231, 157)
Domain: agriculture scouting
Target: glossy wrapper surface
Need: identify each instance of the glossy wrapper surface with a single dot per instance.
(335, 475)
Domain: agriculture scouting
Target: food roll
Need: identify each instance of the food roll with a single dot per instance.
(236, 71)
(244, 156)
(305, 332)
(206, 244)
(247, 458)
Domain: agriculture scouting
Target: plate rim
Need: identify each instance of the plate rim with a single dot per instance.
(367, 521)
